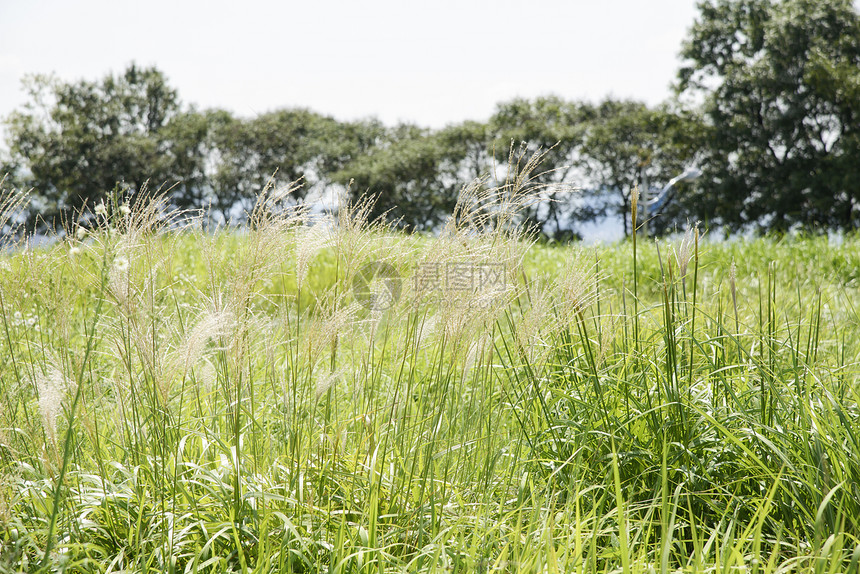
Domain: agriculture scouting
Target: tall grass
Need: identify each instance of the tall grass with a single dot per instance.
(278, 400)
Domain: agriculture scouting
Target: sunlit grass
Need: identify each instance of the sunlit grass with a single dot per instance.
(173, 400)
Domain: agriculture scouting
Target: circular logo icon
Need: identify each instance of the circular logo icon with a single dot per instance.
(377, 286)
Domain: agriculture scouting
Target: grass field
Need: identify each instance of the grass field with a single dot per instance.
(343, 398)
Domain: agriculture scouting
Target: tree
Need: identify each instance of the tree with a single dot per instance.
(557, 129)
(186, 148)
(282, 147)
(415, 175)
(780, 86)
(342, 142)
(277, 146)
(470, 140)
(76, 141)
(628, 142)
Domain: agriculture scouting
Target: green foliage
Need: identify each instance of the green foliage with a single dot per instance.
(79, 140)
(186, 145)
(415, 177)
(781, 101)
(76, 141)
(281, 147)
(557, 128)
(628, 143)
(174, 401)
(768, 108)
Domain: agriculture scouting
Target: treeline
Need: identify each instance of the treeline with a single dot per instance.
(767, 105)
(76, 141)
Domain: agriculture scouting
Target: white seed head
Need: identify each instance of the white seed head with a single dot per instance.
(212, 325)
(326, 382)
(121, 264)
(52, 387)
(101, 209)
(578, 283)
(536, 319)
(323, 334)
(685, 251)
(426, 329)
(120, 286)
(476, 351)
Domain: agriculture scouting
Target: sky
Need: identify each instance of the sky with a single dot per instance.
(432, 63)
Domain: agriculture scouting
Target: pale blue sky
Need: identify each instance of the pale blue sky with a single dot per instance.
(431, 62)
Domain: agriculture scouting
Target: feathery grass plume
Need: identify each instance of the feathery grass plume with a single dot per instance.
(271, 210)
(326, 382)
(356, 239)
(8, 496)
(13, 278)
(124, 292)
(212, 324)
(451, 282)
(53, 387)
(485, 239)
(4, 437)
(488, 221)
(470, 211)
(139, 241)
(367, 252)
(429, 281)
(577, 284)
(208, 375)
(466, 316)
(497, 211)
(610, 326)
(685, 250)
(263, 248)
(334, 317)
(634, 206)
(247, 333)
(150, 215)
(476, 351)
(536, 321)
(382, 296)
(269, 239)
(310, 240)
(135, 237)
(13, 207)
(521, 189)
(426, 329)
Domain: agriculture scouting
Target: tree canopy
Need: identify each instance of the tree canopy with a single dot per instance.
(780, 85)
(77, 140)
(767, 105)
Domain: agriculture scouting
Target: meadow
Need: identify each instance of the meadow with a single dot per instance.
(342, 397)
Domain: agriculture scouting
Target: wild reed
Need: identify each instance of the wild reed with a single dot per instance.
(313, 395)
